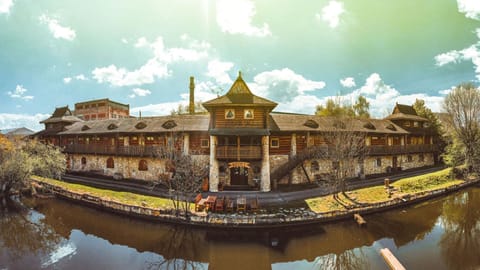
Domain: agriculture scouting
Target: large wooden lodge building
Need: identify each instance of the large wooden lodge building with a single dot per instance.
(241, 140)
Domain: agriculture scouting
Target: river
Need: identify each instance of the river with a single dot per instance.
(55, 234)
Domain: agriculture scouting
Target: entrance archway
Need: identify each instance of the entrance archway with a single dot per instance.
(239, 173)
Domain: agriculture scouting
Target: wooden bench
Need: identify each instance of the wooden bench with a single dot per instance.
(254, 204)
(241, 203)
(229, 205)
(219, 204)
(199, 203)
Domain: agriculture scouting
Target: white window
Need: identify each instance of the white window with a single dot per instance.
(275, 143)
(248, 114)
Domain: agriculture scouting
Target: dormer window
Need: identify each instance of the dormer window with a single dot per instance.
(415, 123)
(248, 114)
(426, 125)
(229, 114)
(406, 124)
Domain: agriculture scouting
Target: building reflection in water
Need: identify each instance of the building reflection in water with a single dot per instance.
(331, 246)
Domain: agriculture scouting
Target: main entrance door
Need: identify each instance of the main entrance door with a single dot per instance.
(239, 176)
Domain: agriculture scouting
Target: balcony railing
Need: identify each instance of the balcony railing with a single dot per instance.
(131, 150)
(242, 152)
(400, 149)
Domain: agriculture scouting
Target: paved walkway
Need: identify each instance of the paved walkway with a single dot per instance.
(266, 199)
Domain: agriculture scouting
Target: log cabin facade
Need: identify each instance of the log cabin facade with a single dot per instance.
(243, 143)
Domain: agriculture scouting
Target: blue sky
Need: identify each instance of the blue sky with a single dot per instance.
(296, 53)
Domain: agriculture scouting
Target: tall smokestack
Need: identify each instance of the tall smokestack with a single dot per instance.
(191, 105)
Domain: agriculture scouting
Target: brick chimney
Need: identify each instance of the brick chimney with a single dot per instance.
(191, 105)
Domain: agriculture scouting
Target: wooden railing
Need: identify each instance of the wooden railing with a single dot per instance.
(131, 150)
(400, 149)
(242, 152)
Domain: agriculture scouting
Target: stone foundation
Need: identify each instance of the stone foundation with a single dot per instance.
(126, 167)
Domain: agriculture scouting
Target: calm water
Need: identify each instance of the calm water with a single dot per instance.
(53, 234)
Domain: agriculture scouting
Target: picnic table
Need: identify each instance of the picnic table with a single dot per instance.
(210, 202)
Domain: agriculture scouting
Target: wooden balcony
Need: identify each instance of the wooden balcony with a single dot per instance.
(242, 152)
(400, 149)
(131, 150)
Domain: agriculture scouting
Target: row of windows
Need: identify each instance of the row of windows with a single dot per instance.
(142, 164)
(230, 114)
(315, 166)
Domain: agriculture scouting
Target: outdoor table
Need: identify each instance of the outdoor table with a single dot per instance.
(211, 202)
(241, 203)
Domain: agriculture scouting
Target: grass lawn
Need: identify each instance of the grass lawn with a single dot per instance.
(121, 197)
(410, 185)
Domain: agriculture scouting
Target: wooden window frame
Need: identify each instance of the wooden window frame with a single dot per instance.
(378, 162)
(202, 143)
(110, 163)
(143, 165)
(277, 144)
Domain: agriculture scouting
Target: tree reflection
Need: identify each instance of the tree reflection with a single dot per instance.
(350, 259)
(182, 240)
(460, 243)
(21, 235)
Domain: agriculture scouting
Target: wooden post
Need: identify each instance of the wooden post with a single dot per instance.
(391, 260)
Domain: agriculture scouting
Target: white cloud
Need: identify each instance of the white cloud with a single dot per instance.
(447, 58)
(5, 6)
(218, 71)
(471, 53)
(155, 67)
(382, 97)
(471, 8)
(79, 77)
(283, 84)
(331, 13)
(9, 120)
(139, 92)
(348, 82)
(56, 29)
(19, 92)
(124, 41)
(235, 17)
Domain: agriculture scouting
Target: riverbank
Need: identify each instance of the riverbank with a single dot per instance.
(159, 209)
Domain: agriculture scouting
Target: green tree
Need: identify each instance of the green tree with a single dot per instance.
(183, 109)
(361, 107)
(17, 165)
(425, 112)
(463, 108)
(336, 108)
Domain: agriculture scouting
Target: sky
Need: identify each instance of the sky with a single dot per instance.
(297, 53)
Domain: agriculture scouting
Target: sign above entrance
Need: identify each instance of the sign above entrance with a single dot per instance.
(239, 164)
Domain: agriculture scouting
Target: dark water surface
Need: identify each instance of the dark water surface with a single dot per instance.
(55, 234)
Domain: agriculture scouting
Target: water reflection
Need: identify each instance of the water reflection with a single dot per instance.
(65, 235)
(460, 243)
(23, 233)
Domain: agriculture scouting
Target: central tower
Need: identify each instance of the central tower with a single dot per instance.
(239, 138)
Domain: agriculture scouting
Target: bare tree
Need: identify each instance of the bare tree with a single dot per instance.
(463, 107)
(345, 147)
(184, 175)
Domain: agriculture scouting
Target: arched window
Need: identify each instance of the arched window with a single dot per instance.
(84, 161)
(110, 163)
(142, 165)
(315, 166)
